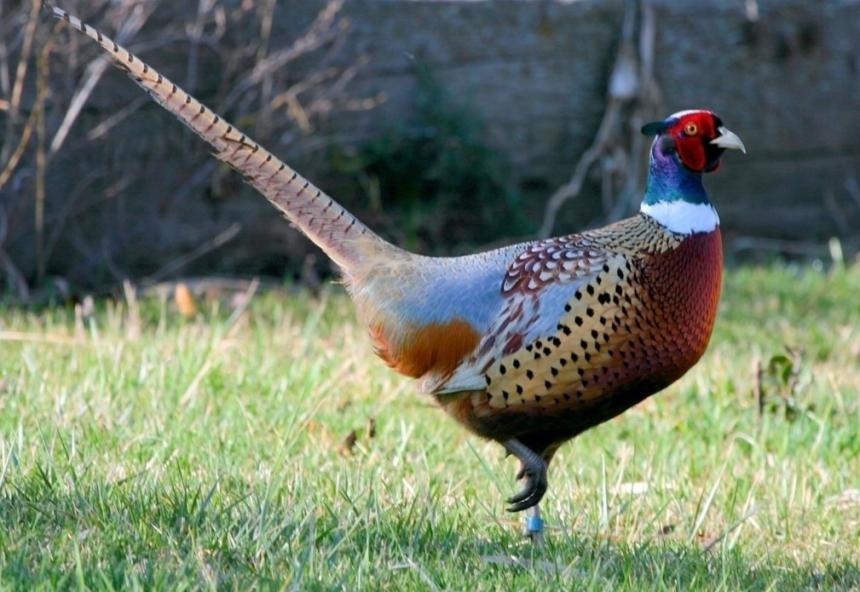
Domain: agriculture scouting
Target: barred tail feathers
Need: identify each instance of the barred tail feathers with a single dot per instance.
(328, 224)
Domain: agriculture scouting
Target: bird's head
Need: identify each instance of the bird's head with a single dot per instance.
(698, 138)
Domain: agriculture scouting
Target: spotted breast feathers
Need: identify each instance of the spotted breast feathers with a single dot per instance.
(588, 314)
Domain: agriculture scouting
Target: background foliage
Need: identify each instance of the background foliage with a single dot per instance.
(439, 186)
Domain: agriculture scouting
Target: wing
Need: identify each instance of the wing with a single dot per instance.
(541, 285)
(573, 308)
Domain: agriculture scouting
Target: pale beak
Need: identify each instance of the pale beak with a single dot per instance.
(728, 139)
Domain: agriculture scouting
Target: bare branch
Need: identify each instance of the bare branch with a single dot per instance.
(95, 70)
(254, 80)
(20, 76)
(219, 240)
(15, 158)
(616, 146)
(41, 156)
(24, 59)
(324, 28)
(113, 120)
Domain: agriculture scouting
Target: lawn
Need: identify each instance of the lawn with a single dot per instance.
(267, 447)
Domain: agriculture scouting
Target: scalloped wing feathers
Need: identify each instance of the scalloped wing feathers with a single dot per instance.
(557, 294)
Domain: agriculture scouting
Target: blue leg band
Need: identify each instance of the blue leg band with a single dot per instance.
(534, 524)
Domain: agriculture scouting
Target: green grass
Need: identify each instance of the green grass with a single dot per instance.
(139, 449)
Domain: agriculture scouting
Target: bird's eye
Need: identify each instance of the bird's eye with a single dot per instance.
(691, 129)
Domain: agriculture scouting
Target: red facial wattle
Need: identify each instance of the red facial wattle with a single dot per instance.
(693, 134)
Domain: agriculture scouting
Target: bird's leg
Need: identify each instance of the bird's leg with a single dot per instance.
(533, 527)
(533, 470)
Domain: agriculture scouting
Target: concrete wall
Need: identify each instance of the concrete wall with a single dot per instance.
(535, 71)
(788, 83)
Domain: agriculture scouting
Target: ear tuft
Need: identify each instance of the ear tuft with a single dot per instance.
(655, 128)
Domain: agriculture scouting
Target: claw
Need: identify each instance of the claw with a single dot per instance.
(526, 492)
(531, 494)
(533, 470)
(524, 505)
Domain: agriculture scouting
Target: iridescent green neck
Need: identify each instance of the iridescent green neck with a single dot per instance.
(669, 180)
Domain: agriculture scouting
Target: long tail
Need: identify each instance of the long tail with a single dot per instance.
(340, 234)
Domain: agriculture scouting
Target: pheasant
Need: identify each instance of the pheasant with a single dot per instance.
(531, 344)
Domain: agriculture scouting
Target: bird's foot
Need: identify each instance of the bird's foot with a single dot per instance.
(533, 470)
(533, 490)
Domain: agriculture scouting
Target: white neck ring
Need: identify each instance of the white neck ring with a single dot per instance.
(683, 217)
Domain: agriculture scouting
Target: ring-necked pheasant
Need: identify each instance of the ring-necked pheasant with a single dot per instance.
(531, 344)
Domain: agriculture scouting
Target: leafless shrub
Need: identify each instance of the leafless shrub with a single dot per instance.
(64, 184)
